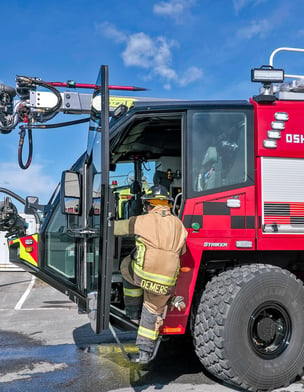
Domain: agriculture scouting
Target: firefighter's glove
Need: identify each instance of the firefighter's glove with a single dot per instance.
(177, 302)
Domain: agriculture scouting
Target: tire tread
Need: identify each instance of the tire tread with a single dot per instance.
(212, 312)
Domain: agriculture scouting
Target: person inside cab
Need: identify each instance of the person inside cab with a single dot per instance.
(150, 272)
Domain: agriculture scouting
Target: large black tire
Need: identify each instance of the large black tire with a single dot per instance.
(249, 327)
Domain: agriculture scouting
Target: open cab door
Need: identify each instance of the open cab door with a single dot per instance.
(74, 246)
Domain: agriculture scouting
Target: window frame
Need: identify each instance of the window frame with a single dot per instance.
(247, 109)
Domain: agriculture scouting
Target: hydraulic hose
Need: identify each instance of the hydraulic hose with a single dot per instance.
(13, 194)
(25, 82)
(51, 112)
(57, 125)
(29, 127)
(20, 148)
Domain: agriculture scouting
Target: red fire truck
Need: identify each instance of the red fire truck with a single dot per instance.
(238, 184)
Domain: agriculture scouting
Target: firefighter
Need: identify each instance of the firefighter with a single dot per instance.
(150, 272)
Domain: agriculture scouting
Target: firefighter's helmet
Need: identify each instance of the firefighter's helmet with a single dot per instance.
(157, 195)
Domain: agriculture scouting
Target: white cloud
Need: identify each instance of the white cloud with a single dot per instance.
(191, 75)
(240, 4)
(152, 54)
(110, 31)
(172, 8)
(26, 182)
(140, 51)
(255, 28)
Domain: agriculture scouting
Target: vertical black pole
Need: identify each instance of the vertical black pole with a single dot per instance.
(105, 267)
(105, 124)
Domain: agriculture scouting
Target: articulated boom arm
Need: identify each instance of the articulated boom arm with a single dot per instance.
(34, 106)
(34, 102)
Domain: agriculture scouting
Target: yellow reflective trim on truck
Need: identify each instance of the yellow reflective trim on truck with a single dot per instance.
(29, 257)
(115, 101)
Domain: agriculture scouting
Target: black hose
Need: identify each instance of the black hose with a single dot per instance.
(29, 127)
(14, 195)
(51, 112)
(57, 125)
(20, 148)
(47, 115)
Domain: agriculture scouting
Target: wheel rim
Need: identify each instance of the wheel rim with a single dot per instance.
(269, 330)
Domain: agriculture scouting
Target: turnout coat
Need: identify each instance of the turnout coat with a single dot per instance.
(160, 240)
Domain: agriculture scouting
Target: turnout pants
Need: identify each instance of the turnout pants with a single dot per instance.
(144, 306)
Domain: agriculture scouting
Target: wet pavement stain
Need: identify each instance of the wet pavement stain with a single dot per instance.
(94, 363)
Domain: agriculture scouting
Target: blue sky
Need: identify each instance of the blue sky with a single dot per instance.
(191, 49)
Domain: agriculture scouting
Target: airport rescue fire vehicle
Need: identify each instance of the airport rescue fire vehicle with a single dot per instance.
(237, 179)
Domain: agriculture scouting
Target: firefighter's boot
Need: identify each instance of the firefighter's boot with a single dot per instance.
(144, 357)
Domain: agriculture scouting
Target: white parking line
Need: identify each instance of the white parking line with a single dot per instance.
(46, 308)
(27, 372)
(25, 294)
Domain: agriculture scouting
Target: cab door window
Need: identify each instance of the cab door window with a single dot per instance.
(219, 150)
(60, 247)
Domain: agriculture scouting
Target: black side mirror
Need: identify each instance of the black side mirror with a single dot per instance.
(32, 206)
(70, 193)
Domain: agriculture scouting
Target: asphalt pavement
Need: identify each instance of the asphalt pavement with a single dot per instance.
(45, 345)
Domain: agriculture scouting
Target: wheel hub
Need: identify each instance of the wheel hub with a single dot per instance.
(269, 330)
(266, 329)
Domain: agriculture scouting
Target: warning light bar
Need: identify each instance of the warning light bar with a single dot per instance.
(267, 74)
